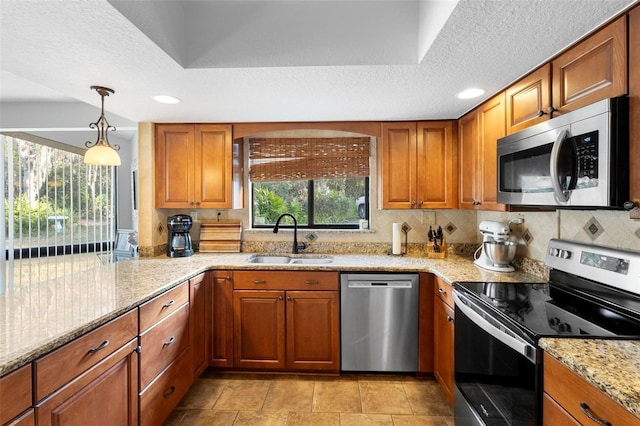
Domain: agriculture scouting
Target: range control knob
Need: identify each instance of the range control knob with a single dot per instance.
(565, 254)
(553, 322)
(564, 327)
(553, 252)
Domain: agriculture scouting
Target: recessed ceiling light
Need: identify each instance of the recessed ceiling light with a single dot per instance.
(165, 99)
(471, 93)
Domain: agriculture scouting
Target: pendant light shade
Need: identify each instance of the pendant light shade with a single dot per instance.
(101, 152)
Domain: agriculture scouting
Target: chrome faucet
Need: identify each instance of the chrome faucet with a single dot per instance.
(296, 246)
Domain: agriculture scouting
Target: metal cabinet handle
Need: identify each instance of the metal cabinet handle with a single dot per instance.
(170, 392)
(259, 281)
(587, 412)
(311, 282)
(289, 298)
(280, 298)
(168, 342)
(227, 278)
(441, 291)
(168, 304)
(449, 318)
(102, 346)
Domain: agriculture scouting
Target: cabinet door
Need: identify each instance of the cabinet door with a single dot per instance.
(15, 393)
(491, 127)
(425, 324)
(107, 394)
(634, 108)
(593, 70)
(213, 166)
(259, 329)
(313, 330)
(529, 99)
(220, 319)
(198, 322)
(397, 163)
(443, 341)
(174, 165)
(436, 165)
(468, 152)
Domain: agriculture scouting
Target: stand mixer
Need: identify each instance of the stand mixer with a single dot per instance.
(497, 250)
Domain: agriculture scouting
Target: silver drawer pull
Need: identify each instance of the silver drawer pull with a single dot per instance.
(259, 281)
(102, 346)
(587, 411)
(449, 318)
(168, 342)
(441, 291)
(168, 304)
(311, 282)
(170, 392)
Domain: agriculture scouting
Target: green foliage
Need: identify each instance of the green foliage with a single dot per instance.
(31, 218)
(334, 201)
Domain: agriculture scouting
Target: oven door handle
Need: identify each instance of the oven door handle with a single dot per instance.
(470, 309)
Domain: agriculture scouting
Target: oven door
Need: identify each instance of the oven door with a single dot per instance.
(498, 373)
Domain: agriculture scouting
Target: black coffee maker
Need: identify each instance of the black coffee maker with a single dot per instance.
(179, 237)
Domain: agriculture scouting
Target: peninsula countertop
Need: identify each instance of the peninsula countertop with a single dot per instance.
(43, 317)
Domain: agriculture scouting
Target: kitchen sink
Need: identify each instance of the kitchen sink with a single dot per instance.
(280, 260)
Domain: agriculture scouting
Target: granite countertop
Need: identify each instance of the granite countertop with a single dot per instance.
(613, 366)
(43, 317)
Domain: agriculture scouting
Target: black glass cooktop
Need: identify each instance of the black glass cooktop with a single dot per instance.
(544, 309)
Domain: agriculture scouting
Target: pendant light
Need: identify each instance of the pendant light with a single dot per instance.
(101, 152)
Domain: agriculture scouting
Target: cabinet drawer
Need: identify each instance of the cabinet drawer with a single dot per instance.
(285, 280)
(444, 291)
(164, 394)
(575, 394)
(15, 393)
(161, 306)
(162, 343)
(28, 418)
(60, 366)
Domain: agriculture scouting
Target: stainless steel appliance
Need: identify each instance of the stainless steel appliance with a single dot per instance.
(496, 251)
(179, 244)
(379, 322)
(578, 159)
(592, 292)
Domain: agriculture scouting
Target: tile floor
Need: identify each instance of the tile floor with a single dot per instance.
(228, 399)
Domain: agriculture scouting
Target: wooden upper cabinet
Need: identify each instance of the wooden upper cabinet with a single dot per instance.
(194, 166)
(418, 165)
(528, 100)
(491, 127)
(397, 161)
(468, 165)
(594, 69)
(478, 134)
(437, 156)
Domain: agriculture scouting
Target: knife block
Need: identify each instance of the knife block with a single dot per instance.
(442, 254)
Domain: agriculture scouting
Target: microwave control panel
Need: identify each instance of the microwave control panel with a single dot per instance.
(587, 154)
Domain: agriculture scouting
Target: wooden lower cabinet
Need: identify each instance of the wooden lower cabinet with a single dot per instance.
(159, 399)
(106, 394)
(198, 322)
(15, 393)
(313, 330)
(292, 330)
(443, 339)
(570, 399)
(220, 319)
(259, 324)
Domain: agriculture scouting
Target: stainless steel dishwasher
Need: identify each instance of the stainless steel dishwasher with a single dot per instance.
(379, 322)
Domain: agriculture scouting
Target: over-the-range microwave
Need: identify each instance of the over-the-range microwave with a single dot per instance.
(579, 159)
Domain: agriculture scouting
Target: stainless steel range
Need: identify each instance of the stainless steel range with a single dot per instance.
(593, 291)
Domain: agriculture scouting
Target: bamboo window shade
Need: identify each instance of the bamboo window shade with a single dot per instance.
(279, 159)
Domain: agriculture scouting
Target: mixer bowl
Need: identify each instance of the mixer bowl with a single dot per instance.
(500, 252)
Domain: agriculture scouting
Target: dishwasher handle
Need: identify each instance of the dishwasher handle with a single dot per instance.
(381, 284)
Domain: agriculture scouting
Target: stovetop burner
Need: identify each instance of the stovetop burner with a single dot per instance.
(588, 294)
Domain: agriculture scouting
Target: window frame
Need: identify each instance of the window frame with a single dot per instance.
(310, 211)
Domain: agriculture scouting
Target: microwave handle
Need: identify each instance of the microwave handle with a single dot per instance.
(561, 196)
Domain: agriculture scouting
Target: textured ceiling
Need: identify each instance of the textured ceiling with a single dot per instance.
(266, 60)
